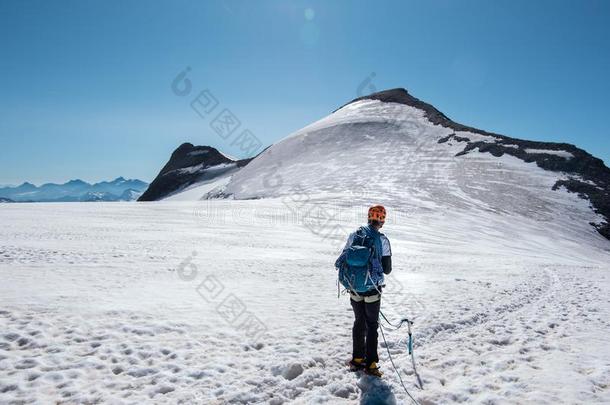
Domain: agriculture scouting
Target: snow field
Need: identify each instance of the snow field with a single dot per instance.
(100, 304)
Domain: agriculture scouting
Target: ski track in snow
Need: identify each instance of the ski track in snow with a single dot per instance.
(93, 309)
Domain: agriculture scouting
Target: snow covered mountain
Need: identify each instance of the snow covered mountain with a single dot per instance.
(131, 195)
(402, 152)
(191, 165)
(119, 185)
(75, 190)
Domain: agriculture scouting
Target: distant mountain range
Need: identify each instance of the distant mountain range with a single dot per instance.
(119, 189)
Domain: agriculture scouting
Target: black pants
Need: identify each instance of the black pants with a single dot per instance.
(364, 332)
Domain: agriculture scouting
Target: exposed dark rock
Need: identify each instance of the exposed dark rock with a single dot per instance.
(598, 196)
(461, 138)
(446, 138)
(453, 136)
(188, 165)
(583, 166)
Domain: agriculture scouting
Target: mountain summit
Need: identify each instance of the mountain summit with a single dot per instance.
(190, 165)
(400, 151)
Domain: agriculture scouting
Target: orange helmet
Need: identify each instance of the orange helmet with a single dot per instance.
(377, 213)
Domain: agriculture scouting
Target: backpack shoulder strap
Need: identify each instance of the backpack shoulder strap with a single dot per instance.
(377, 244)
(360, 233)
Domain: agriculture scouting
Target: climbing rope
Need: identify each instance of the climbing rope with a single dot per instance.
(394, 365)
(409, 344)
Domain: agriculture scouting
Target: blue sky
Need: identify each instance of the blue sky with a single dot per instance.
(86, 85)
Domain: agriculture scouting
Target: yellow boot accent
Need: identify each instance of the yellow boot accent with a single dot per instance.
(373, 370)
(356, 364)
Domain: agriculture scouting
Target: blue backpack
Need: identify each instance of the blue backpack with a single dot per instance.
(359, 265)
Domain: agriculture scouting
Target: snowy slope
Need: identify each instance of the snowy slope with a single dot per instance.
(201, 189)
(392, 153)
(403, 152)
(101, 304)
